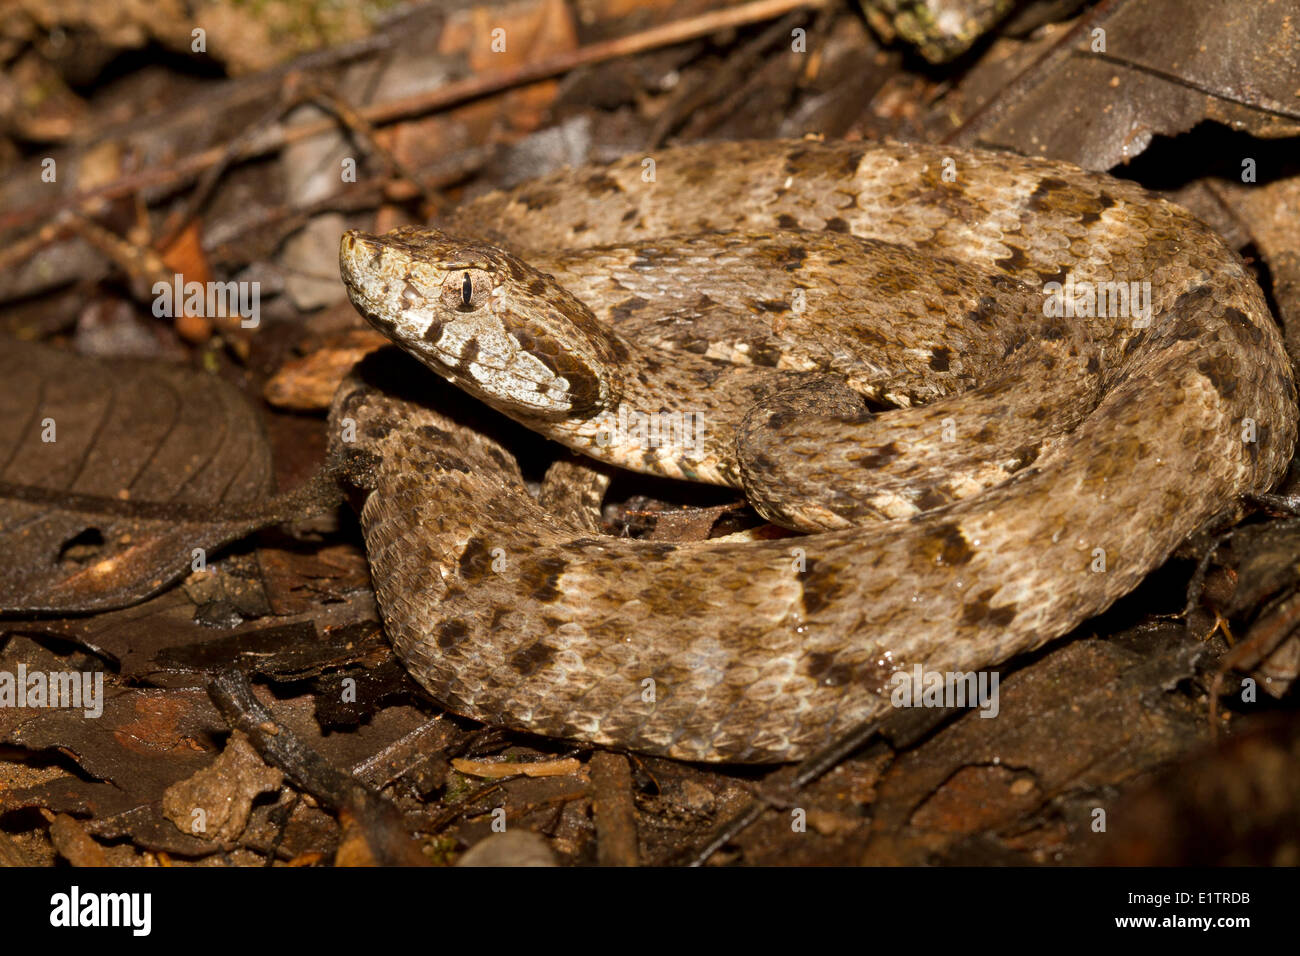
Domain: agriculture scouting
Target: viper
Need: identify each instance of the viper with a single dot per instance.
(991, 392)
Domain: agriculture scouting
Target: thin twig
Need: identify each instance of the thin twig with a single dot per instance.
(805, 773)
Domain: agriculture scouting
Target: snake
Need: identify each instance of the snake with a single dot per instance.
(984, 393)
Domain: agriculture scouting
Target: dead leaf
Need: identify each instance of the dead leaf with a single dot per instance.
(113, 473)
(1103, 89)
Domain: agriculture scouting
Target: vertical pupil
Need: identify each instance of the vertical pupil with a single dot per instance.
(466, 289)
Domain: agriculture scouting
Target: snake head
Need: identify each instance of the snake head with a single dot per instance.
(482, 319)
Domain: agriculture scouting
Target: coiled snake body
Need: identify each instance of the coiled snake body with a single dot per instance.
(892, 347)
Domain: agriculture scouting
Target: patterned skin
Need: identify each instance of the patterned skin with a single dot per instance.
(866, 333)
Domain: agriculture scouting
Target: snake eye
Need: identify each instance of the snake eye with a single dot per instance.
(466, 289)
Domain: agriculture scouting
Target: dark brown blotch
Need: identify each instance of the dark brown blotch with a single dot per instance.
(822, 584)
(1185, 308)
(531, 659)
(503, 461)
(977, 611)
(450, 633)
(934, 497)
(791, 258)
(600, 184)
(476, 560)
(1014, 262)
(1043, 193)
(1221, 372)
(1092, 213)
(1026, 455)
(627, 308)
(540, 578)
(469, 354)
(539, 197)
(946, 545)
(878, 457)
(823, 668)
(433, 433)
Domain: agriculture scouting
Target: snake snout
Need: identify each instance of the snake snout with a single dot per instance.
(358, 255)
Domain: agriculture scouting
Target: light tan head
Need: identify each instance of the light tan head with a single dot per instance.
(482, 319)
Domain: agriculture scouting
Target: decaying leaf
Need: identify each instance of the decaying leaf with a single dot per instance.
(113, 476)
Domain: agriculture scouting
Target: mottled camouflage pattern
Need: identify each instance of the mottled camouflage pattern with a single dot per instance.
(1073, 438)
